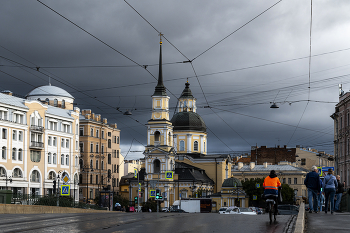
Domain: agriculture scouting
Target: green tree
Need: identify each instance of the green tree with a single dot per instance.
(287, 194)
(121, 200)
(150, 204)
(250, 188)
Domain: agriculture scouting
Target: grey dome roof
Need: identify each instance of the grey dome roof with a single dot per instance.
(232, 182)
(188, 121)
(49, 90)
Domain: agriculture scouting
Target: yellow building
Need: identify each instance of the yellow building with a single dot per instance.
(176, 160)
(39, 140)
(100, 156)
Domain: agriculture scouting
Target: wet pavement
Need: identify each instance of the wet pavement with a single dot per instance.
(321, 222)
(141, 222)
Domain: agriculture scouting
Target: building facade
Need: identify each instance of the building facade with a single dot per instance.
(39, 141)
(100, 160)
(341, 118)
(303, 157)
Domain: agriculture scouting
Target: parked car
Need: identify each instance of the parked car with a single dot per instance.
(247, 211)
(232, 210)
(222, 210)
(287, 209)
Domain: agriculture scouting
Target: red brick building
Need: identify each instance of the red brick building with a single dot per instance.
(273, 155)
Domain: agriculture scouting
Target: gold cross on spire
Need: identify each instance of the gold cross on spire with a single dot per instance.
(160, 37)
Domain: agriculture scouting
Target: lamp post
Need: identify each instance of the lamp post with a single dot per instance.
(58, 188)
(138, 188)
(7, 178)
(75, 183)
(237, 193)
(87, 168)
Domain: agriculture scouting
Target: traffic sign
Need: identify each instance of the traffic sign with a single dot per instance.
(65, 179)
(255, 197)
(139, 187)
(325, 170)
(135, 173)
(152, 193)
(65, 190)
(257, 185)
(169, 175)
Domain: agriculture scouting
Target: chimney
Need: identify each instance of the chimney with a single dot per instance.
(7, 92)
(105, 120)
(265, 164)
(240, 165)
(87, 116)
(285, 146)
(252, 165)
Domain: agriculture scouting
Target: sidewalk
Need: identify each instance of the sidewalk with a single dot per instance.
(321, 222)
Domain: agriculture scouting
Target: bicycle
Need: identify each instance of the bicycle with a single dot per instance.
(271, 206)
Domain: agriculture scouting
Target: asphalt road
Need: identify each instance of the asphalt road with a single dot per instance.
(142, 222)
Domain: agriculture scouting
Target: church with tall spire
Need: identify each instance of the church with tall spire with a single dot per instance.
(175, 157)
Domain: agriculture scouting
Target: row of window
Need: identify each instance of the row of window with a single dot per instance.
(195, 146)
(97, 134)
(17, 173)
(16, 117)
(16, 154)
(115, 167)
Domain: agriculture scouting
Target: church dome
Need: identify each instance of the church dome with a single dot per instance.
(188, 121)
(48, 91)
(232, 182)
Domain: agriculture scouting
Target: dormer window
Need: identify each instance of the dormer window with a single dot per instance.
(63, 104)
(55, 103)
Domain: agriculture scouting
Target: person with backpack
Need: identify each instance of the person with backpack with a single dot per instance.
(329, 185)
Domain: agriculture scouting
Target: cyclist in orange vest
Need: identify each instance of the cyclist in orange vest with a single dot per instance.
(271, 185)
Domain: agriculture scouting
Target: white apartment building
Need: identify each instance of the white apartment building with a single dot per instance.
(39, 141)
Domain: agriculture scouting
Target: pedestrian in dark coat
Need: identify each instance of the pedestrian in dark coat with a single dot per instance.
(338, 194)
(312, 182)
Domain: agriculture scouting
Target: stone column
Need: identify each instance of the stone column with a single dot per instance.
(189, 143)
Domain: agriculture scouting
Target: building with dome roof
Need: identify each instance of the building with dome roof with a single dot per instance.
(190, 131)
(52, 95)
(176, 160)
(39, 141)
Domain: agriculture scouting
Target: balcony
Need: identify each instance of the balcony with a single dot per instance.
(37, 128)
(36, 145)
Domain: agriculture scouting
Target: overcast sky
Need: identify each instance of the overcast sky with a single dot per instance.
(262, 57)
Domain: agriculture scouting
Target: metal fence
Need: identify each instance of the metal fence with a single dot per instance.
(51, 200)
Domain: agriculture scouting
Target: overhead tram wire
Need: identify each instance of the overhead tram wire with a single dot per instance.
(276, 122)
(184, 62)
(236, 30)
(309, 75)
(188, 60)
(109, 46)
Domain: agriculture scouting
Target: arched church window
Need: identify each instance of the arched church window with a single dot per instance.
(156, 166)
(204, 147)
(182, 145)
(55, 102)
(195, 146)
(157, 137)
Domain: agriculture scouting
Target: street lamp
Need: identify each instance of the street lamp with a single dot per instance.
(88, 169)
(76, 182)
(7, 178)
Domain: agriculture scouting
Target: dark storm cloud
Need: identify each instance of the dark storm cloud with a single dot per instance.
(240, 116)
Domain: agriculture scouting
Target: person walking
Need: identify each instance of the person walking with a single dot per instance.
(338, 194)
(329, 185)
(312, 182)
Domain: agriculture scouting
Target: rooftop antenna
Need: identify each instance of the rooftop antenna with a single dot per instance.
(341, 92)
